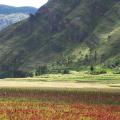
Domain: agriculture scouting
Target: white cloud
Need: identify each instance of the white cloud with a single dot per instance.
(34, 3)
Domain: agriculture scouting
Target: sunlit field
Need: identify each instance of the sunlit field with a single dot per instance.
(65, 104)
(73, 77)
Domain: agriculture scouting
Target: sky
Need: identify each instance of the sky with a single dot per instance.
(19, 3)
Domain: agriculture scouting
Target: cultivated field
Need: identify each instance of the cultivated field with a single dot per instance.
(65, 104)
(75, 96)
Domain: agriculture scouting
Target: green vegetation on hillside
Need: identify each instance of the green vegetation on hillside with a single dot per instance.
(66, 34)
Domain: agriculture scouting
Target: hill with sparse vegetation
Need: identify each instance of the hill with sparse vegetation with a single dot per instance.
(69, 33)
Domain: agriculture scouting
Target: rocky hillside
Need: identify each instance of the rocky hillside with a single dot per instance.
(82, 31)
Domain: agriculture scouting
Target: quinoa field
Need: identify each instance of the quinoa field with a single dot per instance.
(57, 104)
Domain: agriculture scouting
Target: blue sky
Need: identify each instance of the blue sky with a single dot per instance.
(18, 3)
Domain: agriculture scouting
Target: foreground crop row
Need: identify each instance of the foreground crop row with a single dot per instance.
(35, 104)
(50, 111)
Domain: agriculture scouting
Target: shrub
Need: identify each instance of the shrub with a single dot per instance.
(98, 72)
(22, 74)
(41, 70)
(114, 63)
(92, 68)
(116, 70)
(66, 71)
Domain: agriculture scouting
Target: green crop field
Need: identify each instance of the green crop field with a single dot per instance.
(73, 77)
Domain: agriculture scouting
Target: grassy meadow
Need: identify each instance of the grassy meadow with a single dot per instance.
(73, 76)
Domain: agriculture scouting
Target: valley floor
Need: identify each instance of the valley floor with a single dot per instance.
(40, 84)
(80, 80)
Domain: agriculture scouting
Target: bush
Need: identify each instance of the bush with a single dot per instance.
(116, 71)
(92, 68)
(29, 74)
(66, 71)
(115, 63)
(98, 72)
(21, 74)
(41, 70)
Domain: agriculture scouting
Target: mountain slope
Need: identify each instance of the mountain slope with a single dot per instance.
(86, 31)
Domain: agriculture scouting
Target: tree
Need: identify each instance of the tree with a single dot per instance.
(41, 70)
(92, 68)
(109, 37)
(95, 57)
(66, 71)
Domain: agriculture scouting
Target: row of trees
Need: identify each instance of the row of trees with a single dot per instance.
(40, 70)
